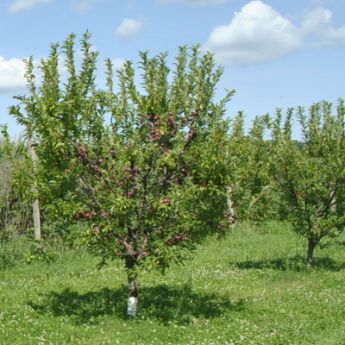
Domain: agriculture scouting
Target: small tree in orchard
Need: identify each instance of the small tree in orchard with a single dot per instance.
(311, 174)
(156, 184)
(58, 111)
(252, 191)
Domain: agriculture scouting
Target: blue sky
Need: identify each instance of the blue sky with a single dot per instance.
(275, 53)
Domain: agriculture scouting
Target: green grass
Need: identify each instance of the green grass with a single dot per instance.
(249, 288)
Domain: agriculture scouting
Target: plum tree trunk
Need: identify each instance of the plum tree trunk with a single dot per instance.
(132, 283)
(312, 243)
(133, 296)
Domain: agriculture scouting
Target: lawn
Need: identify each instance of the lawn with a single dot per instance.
(248, 288)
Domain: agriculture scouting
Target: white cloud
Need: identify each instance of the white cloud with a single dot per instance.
(316, 19)
(11, 75)
(86, 5)
(196, 2)
(129, 28)
(22, 5)
(318, 28)
(256, 34)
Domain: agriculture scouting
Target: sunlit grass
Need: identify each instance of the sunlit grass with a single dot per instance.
(248, 288)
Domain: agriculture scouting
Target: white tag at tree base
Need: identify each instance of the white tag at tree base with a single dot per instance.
(132, 306)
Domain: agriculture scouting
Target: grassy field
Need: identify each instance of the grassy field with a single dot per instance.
(249, 288)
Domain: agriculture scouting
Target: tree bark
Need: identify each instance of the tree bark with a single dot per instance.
(132, 283)
(133, 296)
(312, 243)
(35, 205)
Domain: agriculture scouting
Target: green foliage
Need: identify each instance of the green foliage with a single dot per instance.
(149, 167)
(17, 250)
(57, 114)
(249, 154)
(15, 213)
(156, 182)
(149, 184)
(12, 252)
(39, 252)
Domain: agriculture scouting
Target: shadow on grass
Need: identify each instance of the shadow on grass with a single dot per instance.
(295, 263)
(161, 302)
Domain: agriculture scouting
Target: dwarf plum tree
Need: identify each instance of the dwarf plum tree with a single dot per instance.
(311, 174)
(143, 166)
(155, 185)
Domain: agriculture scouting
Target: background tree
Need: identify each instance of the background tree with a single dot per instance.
(252, 192)
(310, 174)
(15, 214)
(57, 112)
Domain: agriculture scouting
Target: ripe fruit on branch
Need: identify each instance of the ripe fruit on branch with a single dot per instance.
(166, 201)
(97, 170)
(130, 195)
(155, 134)
(88, 215)
(195, 114)
(81, 154)
(171, 121)
(177, 239)
(78, 215)
(82, 150)
(155, 131)
(154, 118)
(132, 171)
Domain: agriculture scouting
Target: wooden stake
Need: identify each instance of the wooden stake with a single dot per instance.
(35, 205)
